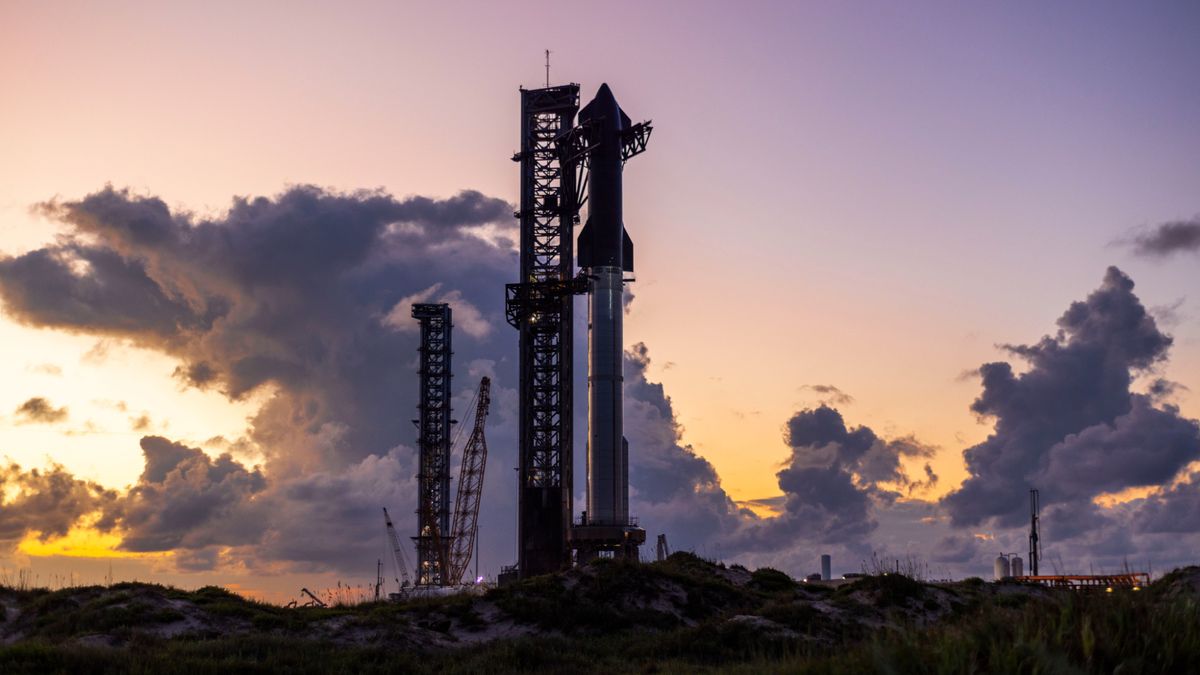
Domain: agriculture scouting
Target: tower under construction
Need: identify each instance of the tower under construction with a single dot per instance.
(433, 443)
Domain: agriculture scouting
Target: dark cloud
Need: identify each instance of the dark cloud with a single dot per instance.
(286, 291)
(1177, 236)
(672, 489)
(930, 481)
(198, 375)
(188, 502)
(307, 292)
(331, 520)
(38, 410)
(956, 548)
(1162, 389)
(1176, 510)
(46, 501)
(198, 560)
(820, 437)
(1076, 521)
(834, 481)
(183, 499)
(1144, 447)
(303, 297)
(214, 511)
(830, 395)
(289, 295)
(1070, 425)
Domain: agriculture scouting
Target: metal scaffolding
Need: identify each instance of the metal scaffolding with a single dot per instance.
(433, 441)
(470, 487)
(540, 307)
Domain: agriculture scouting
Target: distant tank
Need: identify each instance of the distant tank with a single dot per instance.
(826, 567)
(1002, 569)
(1017, 566)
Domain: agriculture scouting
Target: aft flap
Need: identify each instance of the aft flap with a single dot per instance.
(584, 249)
(626, 251)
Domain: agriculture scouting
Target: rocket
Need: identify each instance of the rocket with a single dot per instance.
(606, 253)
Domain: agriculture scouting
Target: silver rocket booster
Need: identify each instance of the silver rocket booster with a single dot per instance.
(606, 252)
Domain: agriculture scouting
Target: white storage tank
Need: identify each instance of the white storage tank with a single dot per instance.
(1017, 566)
(1002, 569)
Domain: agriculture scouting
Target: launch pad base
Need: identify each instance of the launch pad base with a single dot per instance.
(617, 541)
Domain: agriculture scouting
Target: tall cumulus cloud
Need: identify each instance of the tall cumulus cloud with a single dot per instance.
(834, 482)
(287, 297)
(1072, 425)
(303, 298)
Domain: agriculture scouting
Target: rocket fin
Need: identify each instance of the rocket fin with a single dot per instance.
(584, 249)
(626, 250)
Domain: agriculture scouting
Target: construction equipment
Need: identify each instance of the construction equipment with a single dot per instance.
(314, 602)
(452, 553)
(399, 560)
(470, 488)
(378, 578)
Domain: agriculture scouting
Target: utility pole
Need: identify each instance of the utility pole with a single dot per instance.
(1035, 545)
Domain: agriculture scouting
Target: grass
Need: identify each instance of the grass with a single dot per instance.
(1127, 632)
(772, 581)
(887, 590)
(597, 626)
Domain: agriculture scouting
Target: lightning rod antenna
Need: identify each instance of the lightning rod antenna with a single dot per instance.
(547, 68)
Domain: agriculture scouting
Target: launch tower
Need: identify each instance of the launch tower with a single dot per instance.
(539, 306)
(563, 166)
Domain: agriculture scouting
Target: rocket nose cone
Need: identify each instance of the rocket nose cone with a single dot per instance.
(604, 104)
(604, 96)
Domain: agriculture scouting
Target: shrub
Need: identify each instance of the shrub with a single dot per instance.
(770, 580)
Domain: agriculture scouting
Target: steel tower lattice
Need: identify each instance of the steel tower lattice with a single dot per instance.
(470, 487)
(433, 442)
(540, 307)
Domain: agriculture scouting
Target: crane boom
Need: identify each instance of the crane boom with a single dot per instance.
(398, 558)
(470, 488)
(315, 602)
